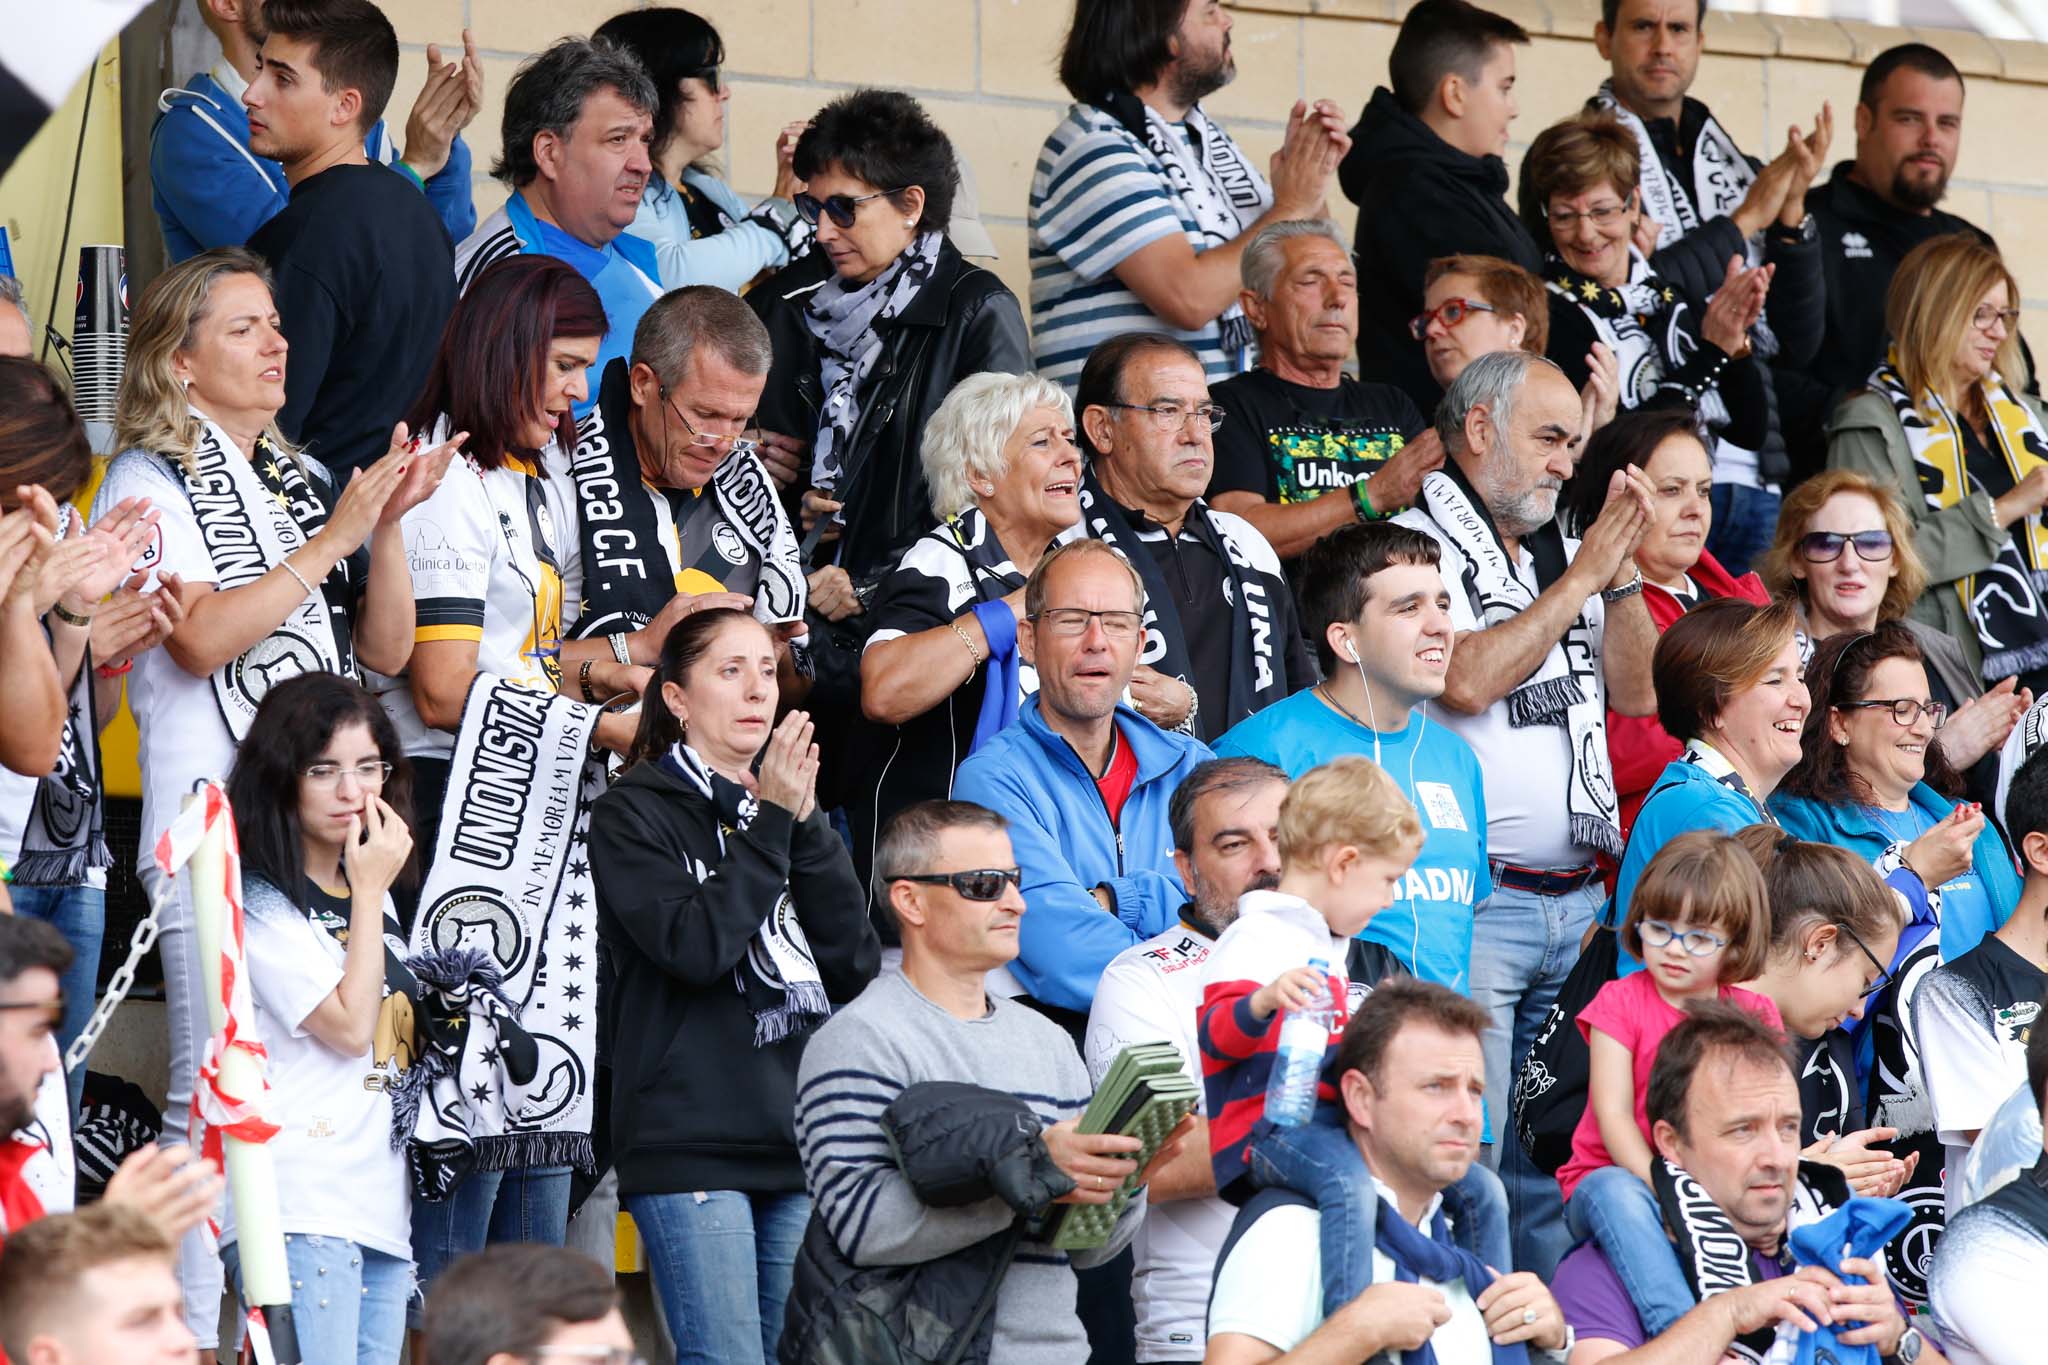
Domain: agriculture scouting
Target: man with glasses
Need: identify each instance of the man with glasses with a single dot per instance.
(522, 1303)
(1220, 620)
(1304, 437)
(1085, 782)
(947, 874)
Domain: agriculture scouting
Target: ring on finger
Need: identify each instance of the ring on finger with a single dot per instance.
(1528, 1317)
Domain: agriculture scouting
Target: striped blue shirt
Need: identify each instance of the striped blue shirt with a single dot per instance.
(1097, 196)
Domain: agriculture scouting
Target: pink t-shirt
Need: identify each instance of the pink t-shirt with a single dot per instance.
(1632, 1013)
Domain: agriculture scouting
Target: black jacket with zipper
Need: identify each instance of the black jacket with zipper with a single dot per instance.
(695, 1105)
(963, 321)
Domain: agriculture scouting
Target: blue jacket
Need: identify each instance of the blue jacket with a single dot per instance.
(1062, 837)
(210, 190)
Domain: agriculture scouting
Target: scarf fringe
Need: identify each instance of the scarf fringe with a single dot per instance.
(2006, 663)
(803, 1005)
(60, 866)
(1543, 703)
(1596, 833)
(525, 1151)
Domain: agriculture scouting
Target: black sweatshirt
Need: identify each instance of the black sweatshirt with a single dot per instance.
(695, 1105)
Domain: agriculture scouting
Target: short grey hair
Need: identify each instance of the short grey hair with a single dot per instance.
(547, 96)
(1492, 382)
(1263, 257)
(964, 439)
(909, 843)
(675, 324)
(10, 292)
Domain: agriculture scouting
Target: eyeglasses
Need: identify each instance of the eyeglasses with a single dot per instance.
(1825, 547)
(1174, 416)
(705, 440)
(606, 1355)
(1070, 622)
(1450, 312)
(1986, 315)
(1696, 942)
(981, 884)
(1564, 220)
(840, 208)
(1884, 975)
(371, 773)
(1905, 710)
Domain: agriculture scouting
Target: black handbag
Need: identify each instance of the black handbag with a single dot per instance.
(1550, 1089)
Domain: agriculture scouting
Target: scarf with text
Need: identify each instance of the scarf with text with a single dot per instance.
(1565, 690)
(2005, 599)
(1721, 174)
(511, 876)
(1646, 323)
(1258, 670)
(471, 1050)
(630, 566)
(65, 836)
(842, 318)
(252, 512)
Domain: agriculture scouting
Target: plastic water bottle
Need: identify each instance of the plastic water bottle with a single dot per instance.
(1304, 1035)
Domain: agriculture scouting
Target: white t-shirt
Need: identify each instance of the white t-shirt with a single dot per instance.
(1973, 1049)
(337, 1172)
(1528, 768)
(1987, 1267)
(1271, 1288)
(1149, 993)
(478, 575)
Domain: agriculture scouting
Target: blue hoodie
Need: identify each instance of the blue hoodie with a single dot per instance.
(1062, 837)
(210, 190)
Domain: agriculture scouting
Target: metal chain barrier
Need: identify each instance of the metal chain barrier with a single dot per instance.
(123, 979)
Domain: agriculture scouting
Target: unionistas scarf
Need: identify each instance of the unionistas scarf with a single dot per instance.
(471, 1052)
(1721, 174)
(65, 836)
(843, 317)
(2004, 599)
(778, 978)
(1565, 690)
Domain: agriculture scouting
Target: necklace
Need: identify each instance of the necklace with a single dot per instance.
(1884, 816)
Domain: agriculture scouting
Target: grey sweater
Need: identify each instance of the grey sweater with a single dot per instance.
(854, 1066)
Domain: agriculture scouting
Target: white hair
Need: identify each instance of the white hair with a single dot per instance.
(965, 437)
(1260, 265)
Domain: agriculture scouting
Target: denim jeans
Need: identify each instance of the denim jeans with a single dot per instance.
(1320, 1160)
(1523, 947)
(1619, 1212)
(721, 1261)
(1745, 521)
(348, 1302)
(80, 914)
(488, 1208)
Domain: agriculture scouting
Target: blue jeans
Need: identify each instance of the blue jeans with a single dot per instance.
(1319, 1159)
(1745, 521)
(488, 1208)
(80, 914)
(721, 1261)
(348, 1302)
(1524, 945)
(1619, 1212)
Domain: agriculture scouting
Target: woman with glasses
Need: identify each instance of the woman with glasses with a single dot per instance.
(1939, 417)
(875, 325)
(1475, 305)
(701, 232)
(734, 924)
(322, 799)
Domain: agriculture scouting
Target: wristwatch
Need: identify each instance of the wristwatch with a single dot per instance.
(1910, 1345)
(1805, 234)
(1626, 590)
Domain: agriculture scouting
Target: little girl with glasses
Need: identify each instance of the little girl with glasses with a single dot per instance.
(1698, 921)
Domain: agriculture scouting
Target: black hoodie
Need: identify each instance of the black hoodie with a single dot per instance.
(1418, 198)
(695, 1105)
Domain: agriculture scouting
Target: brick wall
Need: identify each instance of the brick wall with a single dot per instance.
(984, 68)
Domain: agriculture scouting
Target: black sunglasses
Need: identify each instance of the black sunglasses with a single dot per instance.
(1825, 547)
(840, 208)
(981, 884)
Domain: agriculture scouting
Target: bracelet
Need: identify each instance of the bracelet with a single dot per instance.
(620, 648)
(967, 640)
(69, 617)
(1361, 502)
(583, 679)
(1626, 590)
(114, 670)
(286, 565)
(410, 174)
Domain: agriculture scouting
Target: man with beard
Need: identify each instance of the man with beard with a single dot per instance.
(209, 190)
(1140, 204)
(575, 132)
(1225, 817)
(1549, 633)
(1870, 213)
(362, 266)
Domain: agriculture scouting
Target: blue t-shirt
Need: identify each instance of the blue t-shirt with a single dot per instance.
(622, 272)
(1429, 925)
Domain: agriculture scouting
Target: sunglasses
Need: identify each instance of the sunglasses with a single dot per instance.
(1825, 547)
(981, 884)
(1452, 311)
(840, 208)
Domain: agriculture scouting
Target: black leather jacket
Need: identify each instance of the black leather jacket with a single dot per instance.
(963, 321)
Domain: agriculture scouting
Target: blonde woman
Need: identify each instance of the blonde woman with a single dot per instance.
(1940, 422)
(276, 576)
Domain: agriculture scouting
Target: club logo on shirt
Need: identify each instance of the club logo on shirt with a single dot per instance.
(1856, 247)
(2015, 1022)
(152, 553)
(1440, 804)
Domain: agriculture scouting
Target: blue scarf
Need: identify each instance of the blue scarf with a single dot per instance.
(999, 688)
(1437, 1258)
(1865, 1226)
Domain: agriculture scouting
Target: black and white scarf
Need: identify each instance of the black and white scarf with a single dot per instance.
(65, 836)
(1721, 174)
(2005, 600)
(252, 513)
(471, 1052)
(1646, 323)
(1565, 690)
(842, 318)
(1258, 668)
(511, 877)
(629, 566)
(1219, 190)
(1713, 1254)
(778, 978)
(1711, 761)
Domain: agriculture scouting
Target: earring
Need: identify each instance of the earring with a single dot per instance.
(910, 222)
